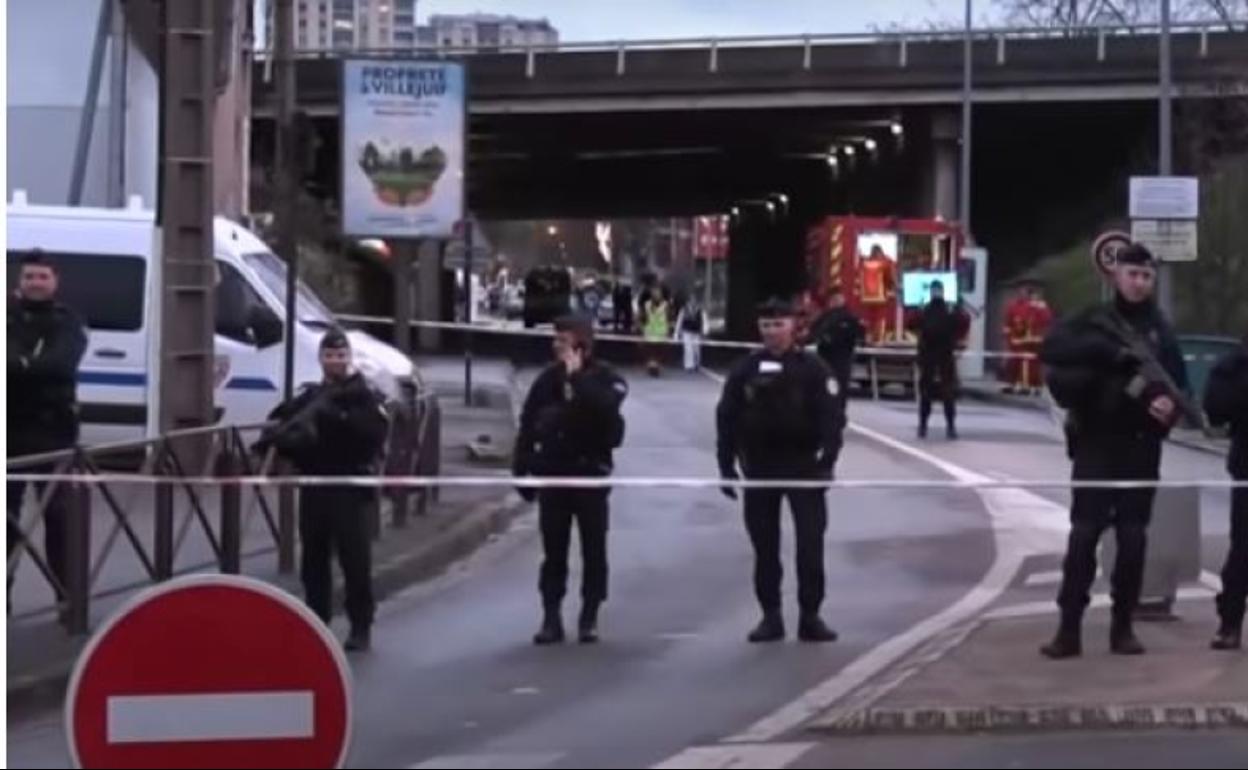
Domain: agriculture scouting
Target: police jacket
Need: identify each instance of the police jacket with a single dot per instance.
(331, 428)
(779, 416)
(46, 343)
(836, 334)
(571, 425)
(1090, 371)
(940, 327)
(1226, 402)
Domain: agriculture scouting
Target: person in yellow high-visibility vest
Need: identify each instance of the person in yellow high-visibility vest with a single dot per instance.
(656, 328)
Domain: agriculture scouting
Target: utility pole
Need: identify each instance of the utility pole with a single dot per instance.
(286, 204)
(964, 188)
(1165, 146)
(285, 209)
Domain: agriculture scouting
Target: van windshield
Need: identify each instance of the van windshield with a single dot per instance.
(272, 271)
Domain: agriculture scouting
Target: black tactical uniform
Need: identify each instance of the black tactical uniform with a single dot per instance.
(837, 334)
(1095, 376)
(940, 328)
(1226, 401)
(335, 428)
(778, 418)
(46, 341)
(570, 426)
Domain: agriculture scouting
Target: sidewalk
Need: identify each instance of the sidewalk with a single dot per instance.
(990, 677)
(41, 654)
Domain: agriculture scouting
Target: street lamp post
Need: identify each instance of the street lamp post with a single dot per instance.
(964, 191)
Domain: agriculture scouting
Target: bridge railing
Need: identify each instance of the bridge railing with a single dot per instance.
(890, 37)
(69, 509)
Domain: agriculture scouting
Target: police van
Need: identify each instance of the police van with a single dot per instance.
(109, 276)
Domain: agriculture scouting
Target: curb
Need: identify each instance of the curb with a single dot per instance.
(449, 546)
(1023, 719)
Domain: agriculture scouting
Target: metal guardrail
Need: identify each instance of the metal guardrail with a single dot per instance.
(902, 39)
(413, 448)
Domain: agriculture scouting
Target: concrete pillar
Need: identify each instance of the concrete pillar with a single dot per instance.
(942, 187)
(429, 292)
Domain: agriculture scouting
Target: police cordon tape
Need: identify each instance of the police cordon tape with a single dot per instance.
(618, 482)
(906, 350)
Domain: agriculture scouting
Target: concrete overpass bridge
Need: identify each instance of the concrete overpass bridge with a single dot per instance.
(658, 128)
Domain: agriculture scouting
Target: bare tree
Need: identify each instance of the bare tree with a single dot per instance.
(1075, 15)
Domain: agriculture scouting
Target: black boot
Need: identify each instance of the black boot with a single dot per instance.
(551, 631)
(359, 640)
(951, 432)
(769, 629)
(1229, 637)
(587, 626)
(923, 430)
(1122, 639)
(811, 628)
(1069, 640)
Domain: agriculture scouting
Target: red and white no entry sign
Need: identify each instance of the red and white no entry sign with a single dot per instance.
(210, 671)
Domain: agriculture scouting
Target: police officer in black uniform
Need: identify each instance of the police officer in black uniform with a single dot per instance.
(1226, 401)
(46, 341)
(837, 334)
(1118, 371)
(940, 327)
(779, 418)
(570, 426)
(336, 427)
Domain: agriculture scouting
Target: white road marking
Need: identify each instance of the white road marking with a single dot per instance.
(525, 691)
(1048, 578)
(765, 756)
(1211, 580)
(211, 717)
(489, 761)
(1023, 524)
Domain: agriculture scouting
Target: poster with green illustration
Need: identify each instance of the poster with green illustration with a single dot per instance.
(402, 148)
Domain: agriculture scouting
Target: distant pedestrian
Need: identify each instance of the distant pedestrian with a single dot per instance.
(691, 325)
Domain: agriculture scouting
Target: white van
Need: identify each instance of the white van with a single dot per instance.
(105, 261)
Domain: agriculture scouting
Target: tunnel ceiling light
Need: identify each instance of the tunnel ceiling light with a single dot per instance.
(771, 206)
(784, 199)
(736, 212)
(832, 161)
(871, 145)
(849, 150)
(897, 129)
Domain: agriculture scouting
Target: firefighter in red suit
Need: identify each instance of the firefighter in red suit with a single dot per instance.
(1016, 313)
(877, 294)
(1038, 320)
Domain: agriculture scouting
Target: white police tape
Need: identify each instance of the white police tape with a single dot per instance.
(904, 350)
(617, 482)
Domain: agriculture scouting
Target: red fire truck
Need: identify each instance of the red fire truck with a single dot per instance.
(884, 266)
